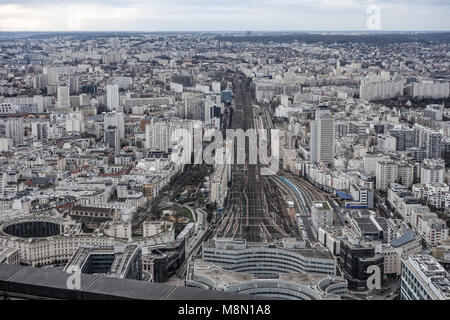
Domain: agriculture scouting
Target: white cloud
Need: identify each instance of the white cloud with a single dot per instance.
(67, 17)
(164, 15)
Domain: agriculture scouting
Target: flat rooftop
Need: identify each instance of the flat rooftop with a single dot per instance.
(435, 274)
(244, 245)
(322, 205)
(225, 278)
(407, 237)
(51, 283)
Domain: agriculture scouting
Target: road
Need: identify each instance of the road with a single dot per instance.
(201, 226)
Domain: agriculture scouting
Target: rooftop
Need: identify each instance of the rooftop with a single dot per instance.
(322, 205)
(432, 274)
(239, 245)
(121, 256)
(407, 237)
(51, 283)
(223, 279)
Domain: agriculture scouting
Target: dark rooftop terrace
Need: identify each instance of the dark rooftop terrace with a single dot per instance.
(33, 282)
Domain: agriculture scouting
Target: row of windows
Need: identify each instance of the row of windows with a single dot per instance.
(274, 254)
(324, 264)
(410, 281)
(257, 267)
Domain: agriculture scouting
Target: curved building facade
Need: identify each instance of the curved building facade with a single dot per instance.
(237, 256)
(47, 240)
(294, 286)
(33, 228)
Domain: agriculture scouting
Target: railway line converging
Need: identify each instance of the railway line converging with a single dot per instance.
(254, 209)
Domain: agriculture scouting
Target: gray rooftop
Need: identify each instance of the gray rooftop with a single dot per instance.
(51, 283)
(407, 237)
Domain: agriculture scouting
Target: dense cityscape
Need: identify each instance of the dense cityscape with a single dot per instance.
(105, 174)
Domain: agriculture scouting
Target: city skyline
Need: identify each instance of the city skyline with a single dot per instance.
(236, 165)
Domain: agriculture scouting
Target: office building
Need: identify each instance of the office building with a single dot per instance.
(321, 215)
(40, 131)
(355, 259)
(434, 145)
(158, 136)
(111, 138)
(13, 129)
(432, 172)
(386, 173)
(434, 111)
(405, 174)
(115, 119)
(423, 278)
(119, 261)
(63, 97)
(112, 97)
(322, 143)
(160, 262)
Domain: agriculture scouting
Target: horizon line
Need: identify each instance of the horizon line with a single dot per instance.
(218, 31)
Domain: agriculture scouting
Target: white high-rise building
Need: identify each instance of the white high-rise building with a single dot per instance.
(431, 90)
(322, 143)
(74, 84)
(380, 91)
(405, 174)
(123, 82)
(115, 119)
(370, 164)
(218, 186)
(112, 96)
(12, 128)
(40, 130)
(434, 112)
(63, 97)
(192, 106)
(52, 74)
(216, 86)
(84, 99)
(176, 87)
(75, 123)
(434, 145)
(157, 136)
(387, 173)
(41, 103)
(432, 171)
(5, 144)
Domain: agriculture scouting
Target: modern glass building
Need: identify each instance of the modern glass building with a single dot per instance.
(423, 278)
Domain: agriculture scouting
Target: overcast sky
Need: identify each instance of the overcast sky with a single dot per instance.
(221, 15)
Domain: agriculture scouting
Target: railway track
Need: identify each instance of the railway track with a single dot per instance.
(311, 192)
(251, 213)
